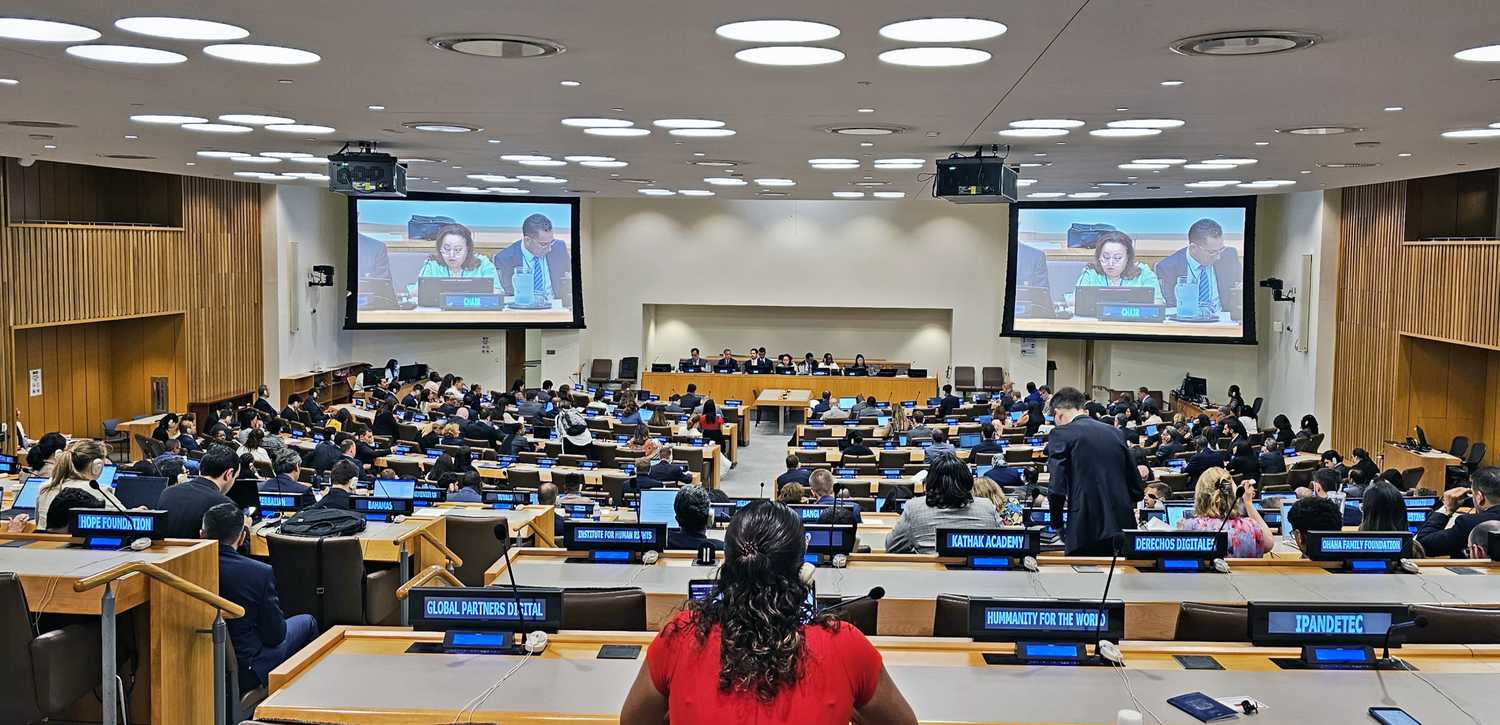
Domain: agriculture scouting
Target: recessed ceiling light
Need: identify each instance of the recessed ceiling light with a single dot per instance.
(849, 194)
(501, 47)
(216, 128)
(262, 54)
(255, 160)
(130, 54)
(1266, 184)
(899, 162)
(253, 174)
(1208, 166)
(544, 179)
(725, 181)
(776, 31)
(1210, 184)
(1124, 132)
(773, 181)
(1169, 162)
(212, 154)
(1121, 109)
(865, 110)
(181, 28)
(524, 157)
(1172, 83)
(824, 162)
(790, 55)
(439, 127)
(251, 119)
(49, 146)
(1262, 143)
(866, 144)
(715, 163)
(1319, 130)
(687, 123)
(1481, 54)
(1404, 154)
(130, 137)
(1033, 164)
(699, 153)
(466, 189)
(702, 132)
(1087, 194)
(934, 57)
(1025, 182)
(589, 122)
(300, 128)
(580, 159)
(865, 130)
(1114, 183)
(1304, 171)
(1245, 42)
(872, 183)
(1395, 108)
(167, 119)
(1232, 162)
(694, 192)
(1147, 123)
(569, 84)
(320, 160)
(492, 178)
(1141, 167)
(943, 30)
(45, 31)
(285, 81)
(509, 190)
(1473, 133)
(309, 175)
(1046, 123)
(492, 140)
(888, 194)
(617, 131)
(543, 162)
(9, 82)
(376, 108)
(835, 167)
(1033, 132)
(604, 164)
(656, 192)
(1045, 195)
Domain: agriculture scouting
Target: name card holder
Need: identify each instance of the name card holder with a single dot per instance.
(1176, 551)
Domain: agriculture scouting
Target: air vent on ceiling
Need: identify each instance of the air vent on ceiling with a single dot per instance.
(1235, 43)
(127, 157)
(1347, 164)
(502, 47)
(39, 124)
(1319, 130)
(867, 129)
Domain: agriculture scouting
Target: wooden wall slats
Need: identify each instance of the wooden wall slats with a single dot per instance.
(1452, 292)
(204, 267)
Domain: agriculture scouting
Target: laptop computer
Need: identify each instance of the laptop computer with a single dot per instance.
(430, 290)
(137, 491)
(1086, 299)
(1034, 303)
(847, 403)
(25, 502)
(376, 293)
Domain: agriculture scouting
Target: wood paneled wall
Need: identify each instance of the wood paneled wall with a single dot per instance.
(50, 193)
(1372, 223)
(1398, 301)
(207, 271)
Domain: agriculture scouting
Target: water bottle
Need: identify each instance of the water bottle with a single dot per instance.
(523, 282)
(1187, 298)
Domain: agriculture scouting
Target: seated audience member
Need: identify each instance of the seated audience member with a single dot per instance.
(166, 427)
(1363, 460)
(221, 425)
(824, 404)
(866, 408)
(1479, 538)
(1271, 460)
(758, 363)
(1005, 476)
(186, 503)
(1309, 426)
(822, 484)
(572, 489)
(726, 363)
(710, 423)
(253, 447)
(808, 366)
(940, 446)
(752, 652)
(264, 637)
(990, 444)
(59, 513)
(77, 467)
(1214, 502)
(1359, 480)
(1201, 461)
(948, 503)
(479, 429)
(794, 473)
(1313, 513)
(173, 470)
(1324, 480)
(1438, 538)
(1033, 420)
(987, 489)
(858, 367)
(949, 402)
(263, 402)
(693, 517)
(1283, 433)
(450, 463)
(1393, 477)
(694, 363)
(792, 494)
(1384, 509)
(1171, 444)
(288, 468)
(341, 480)
(785, 365)
(661, 468)
(1156, 496)
(919, 429)
(469, 490)
(857, 446)
(385, 423)
(546, 494)
(573, 430)
(41, 456)
(1244, 462)
(170, 449)
(691, 399)
(631, 415)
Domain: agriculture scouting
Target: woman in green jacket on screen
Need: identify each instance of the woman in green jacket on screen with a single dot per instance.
(453, 256)
(1114, 265)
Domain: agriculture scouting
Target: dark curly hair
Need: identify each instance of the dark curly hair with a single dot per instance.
(759, 602)
(950, 483)
(1131, 270)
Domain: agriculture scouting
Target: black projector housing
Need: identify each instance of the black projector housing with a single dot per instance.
(366, 174)
(975, 180)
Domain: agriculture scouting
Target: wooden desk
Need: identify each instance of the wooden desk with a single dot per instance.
(742, 386)
(945, 680)
(1434, 464)
(781, 399)
(913, 581)
(176, 672)
(138, 427)
(331, 382)
(1189, 409)
(491, 469)
(378, 541)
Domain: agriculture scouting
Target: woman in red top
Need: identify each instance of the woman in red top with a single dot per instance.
(753, 652)
(711, 423)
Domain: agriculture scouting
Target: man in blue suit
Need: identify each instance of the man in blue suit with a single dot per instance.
(547, 259)
(1211, 268)
(264, 637)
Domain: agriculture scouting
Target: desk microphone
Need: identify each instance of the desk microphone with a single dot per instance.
(140, 544)
(502, 533)
(875, 595)
(1418, 622)
(95, 485)
(1108, 650)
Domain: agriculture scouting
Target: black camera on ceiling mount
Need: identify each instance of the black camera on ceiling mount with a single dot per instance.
(1276, 286)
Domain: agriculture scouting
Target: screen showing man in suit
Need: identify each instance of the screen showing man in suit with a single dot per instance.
(441, 259)
(1133, 270)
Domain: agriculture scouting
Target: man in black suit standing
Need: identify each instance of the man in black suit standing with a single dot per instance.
(1092, 476)
(539, 253)
(1210, 267)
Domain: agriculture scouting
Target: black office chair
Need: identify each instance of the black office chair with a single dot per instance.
(963, 378)
(1411, 477)
(473, 539)
(1460, 473)
(1459, 446)
(992, 377)
(1255, 409)
(951, 617)
(1455, 625)
(327, 578)
(41, 675)
(629, 370)
(599, 371)
(616, 609)
(1212, 623)
(862, 614)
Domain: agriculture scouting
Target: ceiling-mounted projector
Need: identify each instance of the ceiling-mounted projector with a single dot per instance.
(366, 173)
(975, 180)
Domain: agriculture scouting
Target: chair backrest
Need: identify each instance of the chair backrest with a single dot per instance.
(992, 377)
(1255, 407)
(855, 488)
(473, 539)
(1212, 623)
(1270, 479)
(618, 609)
(862, 614)
(18, 701)
(302, 566)
(629, 368)
(404, 469)
(150, 447)
(1175, 481)
(812, 456)
(892, 459)
(600, 368)
(1459, 446)
(1476, 455)
(528, 477)
(1411, 477)
(951, 617)
(1455, 625)
(963, 376)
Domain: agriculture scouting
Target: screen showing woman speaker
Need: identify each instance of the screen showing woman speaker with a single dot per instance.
(1160, 270)
(437, 260)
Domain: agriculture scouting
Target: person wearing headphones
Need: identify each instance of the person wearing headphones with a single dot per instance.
(755, 650)
(79, 466)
